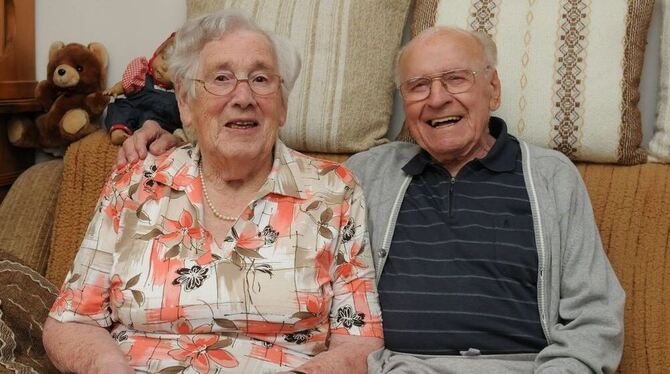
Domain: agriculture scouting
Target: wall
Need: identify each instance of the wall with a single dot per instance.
(131, 28)
(128, 28)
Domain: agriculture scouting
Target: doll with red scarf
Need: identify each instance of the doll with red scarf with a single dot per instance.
(149, 95)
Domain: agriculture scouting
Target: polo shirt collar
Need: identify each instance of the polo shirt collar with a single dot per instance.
(501, 157)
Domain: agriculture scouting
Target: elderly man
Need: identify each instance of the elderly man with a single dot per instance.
(487, 255)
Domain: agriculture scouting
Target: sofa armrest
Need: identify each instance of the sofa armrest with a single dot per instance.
(631, 209)
(27, 213)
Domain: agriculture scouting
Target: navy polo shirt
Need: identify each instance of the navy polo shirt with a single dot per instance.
(462, 267)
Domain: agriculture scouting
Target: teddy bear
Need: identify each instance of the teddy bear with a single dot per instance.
(71, 96)
(149, 95)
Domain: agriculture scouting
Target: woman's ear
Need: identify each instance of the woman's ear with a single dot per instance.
(185, 111)
(183, 101)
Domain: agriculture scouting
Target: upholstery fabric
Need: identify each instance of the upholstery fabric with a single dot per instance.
(570, 69)
(31, 214)
(659, 147)
(25, 299)
(630, 205)
(87, 165)
(342, 101)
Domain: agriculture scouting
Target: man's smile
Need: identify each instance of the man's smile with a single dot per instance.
(444, 121)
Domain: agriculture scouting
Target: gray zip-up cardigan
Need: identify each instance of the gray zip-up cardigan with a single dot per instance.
(580, 300)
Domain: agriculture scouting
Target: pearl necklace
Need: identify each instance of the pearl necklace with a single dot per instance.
(209, 202)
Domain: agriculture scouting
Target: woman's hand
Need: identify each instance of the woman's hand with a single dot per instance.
(104, 366)
(80, 348)
(346, 354)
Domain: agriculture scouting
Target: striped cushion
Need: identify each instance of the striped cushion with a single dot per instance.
(659, 147)
(570, 69)
(25, 299)
(342, 100)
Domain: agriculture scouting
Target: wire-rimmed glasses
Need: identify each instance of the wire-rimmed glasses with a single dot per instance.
(260, 83)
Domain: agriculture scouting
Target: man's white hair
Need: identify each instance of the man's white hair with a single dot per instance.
(484, 40)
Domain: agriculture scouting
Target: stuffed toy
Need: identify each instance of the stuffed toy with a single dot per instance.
(71, 96)
(149, 95)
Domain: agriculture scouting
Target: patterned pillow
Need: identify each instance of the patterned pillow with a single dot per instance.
(342, 100)
(659, 147)
(25, 299)
(570, 69)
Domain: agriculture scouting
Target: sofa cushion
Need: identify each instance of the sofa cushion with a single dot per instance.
(342, 100)
(25, 299)
(659, 146)
(29, 206)
(87, 165)
(570, 69)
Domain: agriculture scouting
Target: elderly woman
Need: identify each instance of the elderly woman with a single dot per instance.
(233, 255)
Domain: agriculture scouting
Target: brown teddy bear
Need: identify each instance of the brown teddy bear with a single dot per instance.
(71, 96)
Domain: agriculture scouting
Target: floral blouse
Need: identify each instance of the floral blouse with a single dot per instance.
(295, 267)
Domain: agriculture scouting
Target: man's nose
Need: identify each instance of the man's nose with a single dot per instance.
(438, 93)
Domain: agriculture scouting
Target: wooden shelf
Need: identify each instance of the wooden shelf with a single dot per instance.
(17, 83)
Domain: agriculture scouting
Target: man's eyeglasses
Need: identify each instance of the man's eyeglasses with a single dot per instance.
(261, 84)
(454, 81)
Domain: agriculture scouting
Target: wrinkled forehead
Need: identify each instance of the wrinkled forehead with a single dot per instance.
(239, 51)
(441, 51)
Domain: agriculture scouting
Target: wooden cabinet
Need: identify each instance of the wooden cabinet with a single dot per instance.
(17, 82)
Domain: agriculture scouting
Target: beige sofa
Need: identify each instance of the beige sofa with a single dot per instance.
(51, 203)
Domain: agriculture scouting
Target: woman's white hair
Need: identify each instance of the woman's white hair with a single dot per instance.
(196, 32)
(484, 40)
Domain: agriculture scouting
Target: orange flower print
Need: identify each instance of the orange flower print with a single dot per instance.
(182, 178)
(197, 352)
(123, 174)
(181, 231)
(115, 293)
(326, 167)
(248, 237)
(315, 312)
(183, 326)
(62, 302)
(346, 269)
(114, 212)
(157, 173)
(324, 260)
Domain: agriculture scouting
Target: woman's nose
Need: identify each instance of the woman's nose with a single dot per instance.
(242, 94)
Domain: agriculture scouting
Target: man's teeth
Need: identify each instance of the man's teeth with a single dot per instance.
(444, 121)
(241, 124)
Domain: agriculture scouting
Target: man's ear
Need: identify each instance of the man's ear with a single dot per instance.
(283, 111)
(494, 101)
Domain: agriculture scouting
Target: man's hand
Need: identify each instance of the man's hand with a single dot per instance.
(150, 137)
(115, 90)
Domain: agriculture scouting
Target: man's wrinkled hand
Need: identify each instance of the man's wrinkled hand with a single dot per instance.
(151, 137)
